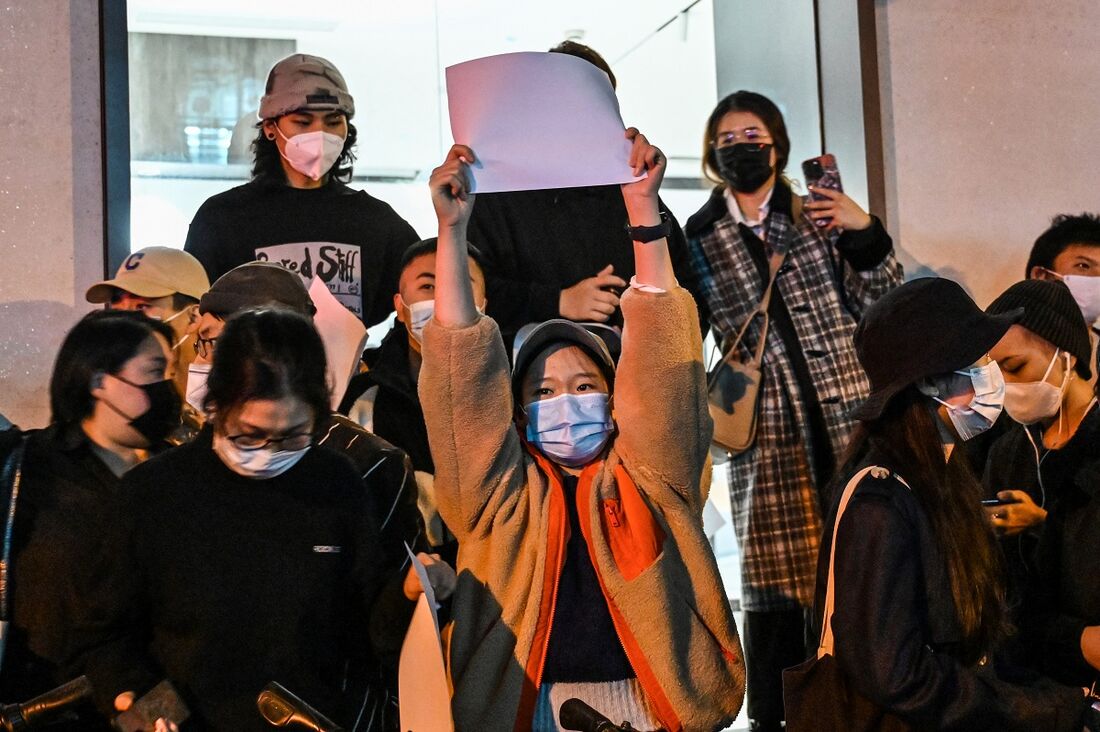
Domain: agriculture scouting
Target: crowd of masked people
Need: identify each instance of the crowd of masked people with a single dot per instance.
(915, 514)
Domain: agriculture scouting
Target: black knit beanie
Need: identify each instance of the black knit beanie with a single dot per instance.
(1050, 312)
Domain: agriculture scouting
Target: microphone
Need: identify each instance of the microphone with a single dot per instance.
(45, 707)
(576, 715)
(281, 708)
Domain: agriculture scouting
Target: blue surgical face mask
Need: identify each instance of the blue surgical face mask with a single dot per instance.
(570, 429)
(984, 407)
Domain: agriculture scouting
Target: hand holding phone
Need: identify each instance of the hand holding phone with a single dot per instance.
(821, 172)
(1012, 512)
(989, 502)
(160, 702)
(828, 206)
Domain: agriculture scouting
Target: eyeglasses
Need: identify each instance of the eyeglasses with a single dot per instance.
(204, 346)
(749, 134)
(297, 441)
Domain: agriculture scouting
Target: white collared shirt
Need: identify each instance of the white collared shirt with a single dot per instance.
(757, 226)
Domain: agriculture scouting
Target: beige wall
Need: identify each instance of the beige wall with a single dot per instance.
(991, 116)
(51, 220)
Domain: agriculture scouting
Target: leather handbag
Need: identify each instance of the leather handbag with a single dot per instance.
(816, 694)
(733, 384)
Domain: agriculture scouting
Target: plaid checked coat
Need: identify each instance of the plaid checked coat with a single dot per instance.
(825, 283)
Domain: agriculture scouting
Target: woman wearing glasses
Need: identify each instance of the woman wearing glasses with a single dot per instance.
(837, 259)
(247, 556)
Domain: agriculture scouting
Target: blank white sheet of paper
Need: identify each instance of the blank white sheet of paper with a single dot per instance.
(537, 121)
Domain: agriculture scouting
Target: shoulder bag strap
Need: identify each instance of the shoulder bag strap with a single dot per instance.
(761, 309)
(825, 646)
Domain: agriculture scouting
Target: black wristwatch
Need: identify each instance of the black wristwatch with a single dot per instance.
(646, 234)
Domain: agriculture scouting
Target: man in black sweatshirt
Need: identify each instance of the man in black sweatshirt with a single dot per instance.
(297, 210)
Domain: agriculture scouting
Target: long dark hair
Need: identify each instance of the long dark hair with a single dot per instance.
(762, 107)
(267, 163)
(908, 434)
(100, 343)
(268, 353)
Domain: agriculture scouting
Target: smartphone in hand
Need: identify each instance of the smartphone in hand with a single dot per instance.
(991, 502)
(162, 701)
(821, 172)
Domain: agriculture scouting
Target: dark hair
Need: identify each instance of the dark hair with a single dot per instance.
(267, 163)
(180, 301)
(762, 107)
(572, 48)
(1064, 230)
(430, 246)
(101, 342)
(268, 353)
(908, 434)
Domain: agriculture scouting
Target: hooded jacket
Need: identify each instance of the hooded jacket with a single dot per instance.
(640, 510)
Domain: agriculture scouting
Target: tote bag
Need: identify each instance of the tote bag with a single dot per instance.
(816, 694)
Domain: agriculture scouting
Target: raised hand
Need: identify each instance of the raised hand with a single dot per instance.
(450, 186)
(652, 264)
(644, 158)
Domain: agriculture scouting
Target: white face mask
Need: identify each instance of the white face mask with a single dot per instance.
(984, 407)
(419, 315)
(169, 319)
(259, 464)
(197, 374)
(312, 153)
(1033, 401)
(1086, 291)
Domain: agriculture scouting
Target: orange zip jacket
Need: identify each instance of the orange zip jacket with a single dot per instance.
(641, 514)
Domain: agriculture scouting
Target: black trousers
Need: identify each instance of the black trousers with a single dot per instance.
(772, 642)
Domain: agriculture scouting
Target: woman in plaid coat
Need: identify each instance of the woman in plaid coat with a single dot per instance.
(838, 260)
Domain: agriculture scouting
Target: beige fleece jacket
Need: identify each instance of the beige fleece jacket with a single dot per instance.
(497, 500)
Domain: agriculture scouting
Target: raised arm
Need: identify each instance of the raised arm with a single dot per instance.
(652, 263)
(464, 382)
(450, 185)
(660, 391)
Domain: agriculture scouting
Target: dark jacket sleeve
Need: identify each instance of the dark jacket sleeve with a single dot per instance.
(869, 265)
(1059, 632)
(882, 645)
(111, 632)
(685, 273)
(399, 237)
(394, 480)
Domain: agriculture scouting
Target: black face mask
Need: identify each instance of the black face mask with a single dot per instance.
(745, 166)
(163, 414)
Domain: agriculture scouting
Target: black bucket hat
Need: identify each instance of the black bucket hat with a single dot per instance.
(549, 332)
(922, 328)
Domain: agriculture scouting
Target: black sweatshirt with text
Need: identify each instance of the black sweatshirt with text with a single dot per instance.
(348, 238)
